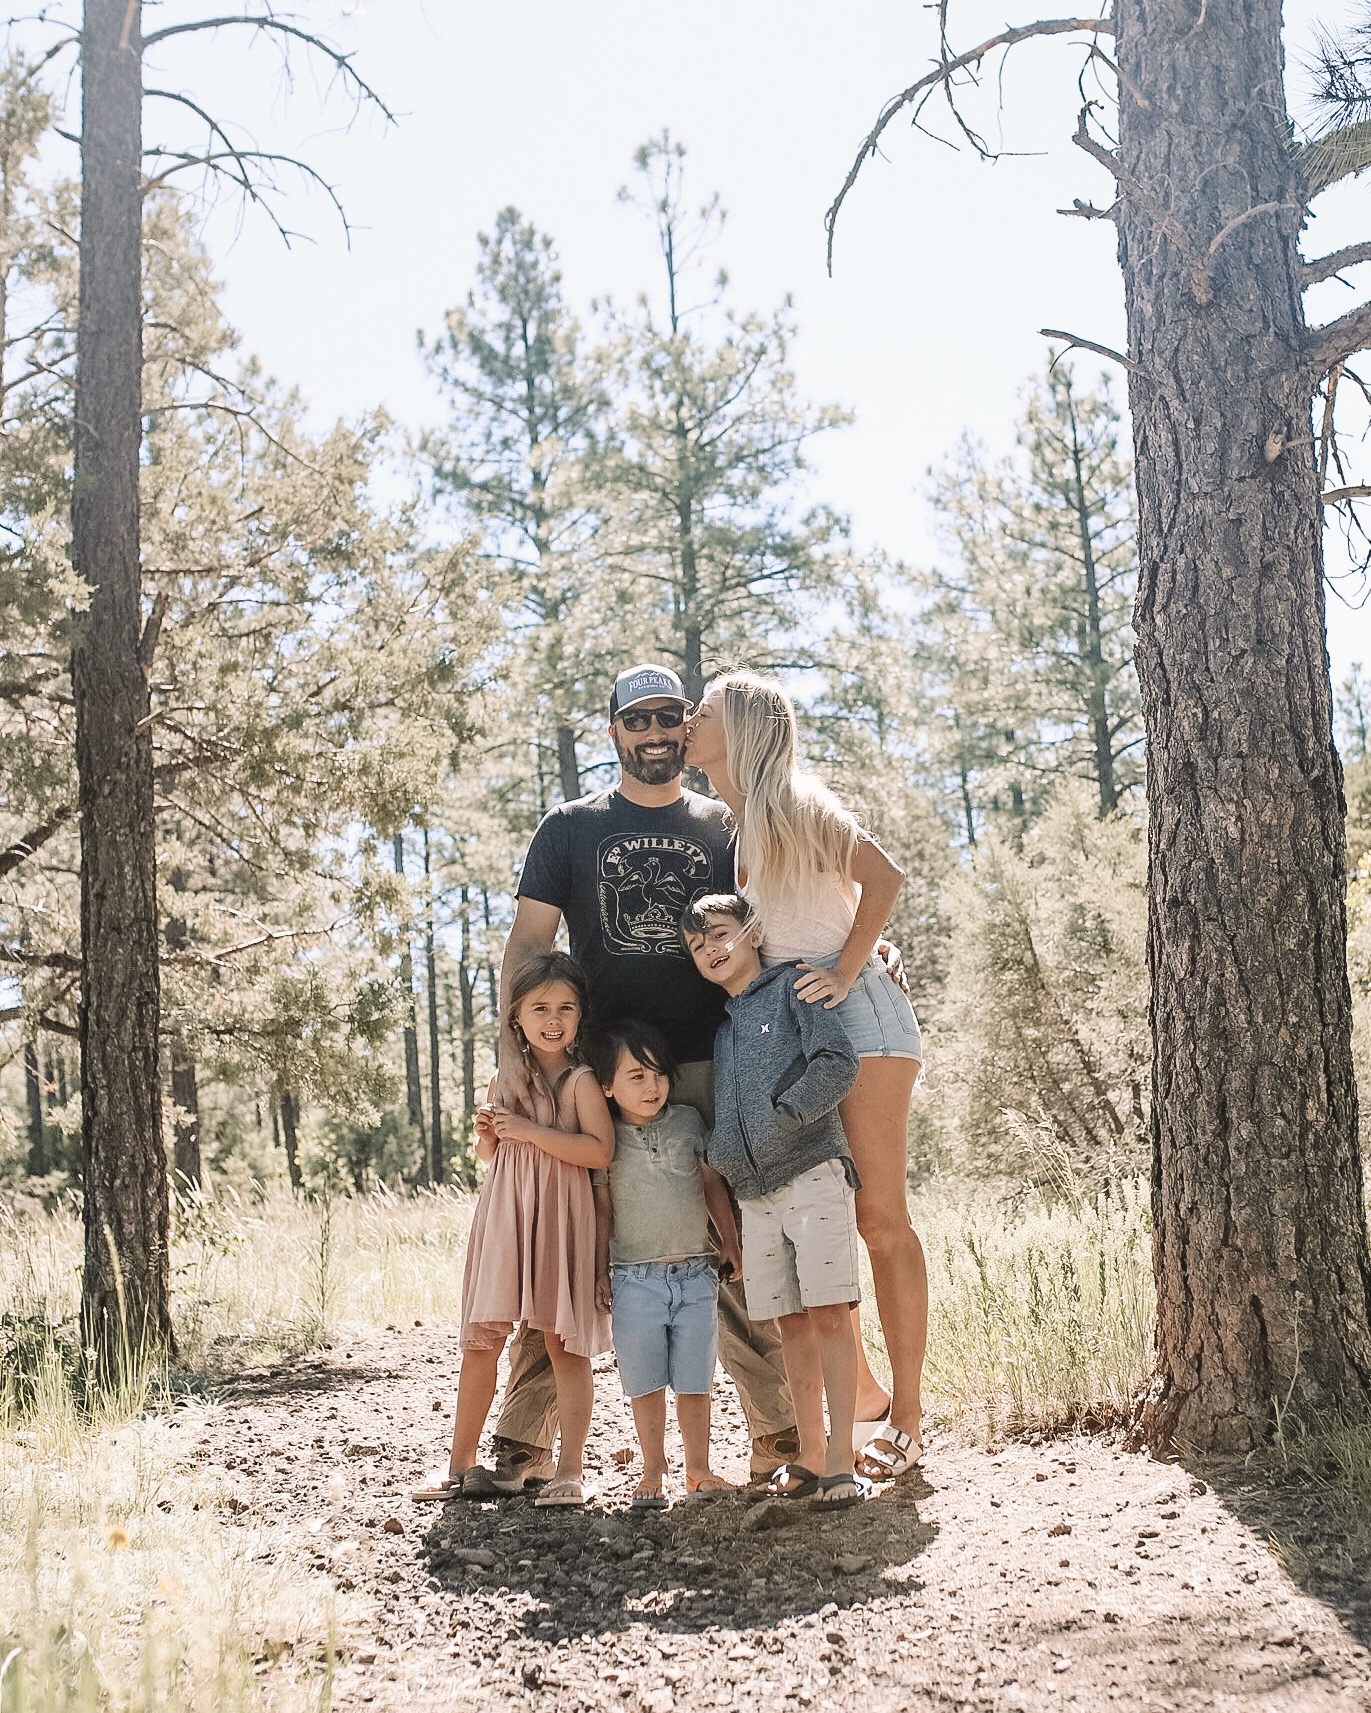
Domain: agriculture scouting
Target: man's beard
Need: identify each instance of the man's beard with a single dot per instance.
(659, 771)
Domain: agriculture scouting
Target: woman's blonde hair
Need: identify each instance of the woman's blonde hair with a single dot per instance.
(794, 829)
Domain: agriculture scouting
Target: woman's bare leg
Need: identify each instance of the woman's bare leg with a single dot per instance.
(872, 1398)
(875, 1116)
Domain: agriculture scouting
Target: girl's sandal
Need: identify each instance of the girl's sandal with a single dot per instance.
(839, 1492)
(707, 1487)
(651, 1495)
(564, 1491)
(889, 1453)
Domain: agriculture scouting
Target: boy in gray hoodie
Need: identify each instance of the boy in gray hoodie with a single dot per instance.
(781, 1067)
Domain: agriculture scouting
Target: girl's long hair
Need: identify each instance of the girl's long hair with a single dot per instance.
(538, 971)
(794, 829)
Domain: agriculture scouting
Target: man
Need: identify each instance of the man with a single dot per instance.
(620, 867)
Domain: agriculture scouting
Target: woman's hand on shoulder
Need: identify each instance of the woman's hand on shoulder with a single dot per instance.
(818, 986)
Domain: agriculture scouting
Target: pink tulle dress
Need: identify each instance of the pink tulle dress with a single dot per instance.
(531, 1252)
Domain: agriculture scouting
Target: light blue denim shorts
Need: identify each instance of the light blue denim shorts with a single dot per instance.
(877, 1015)
(666, 1325)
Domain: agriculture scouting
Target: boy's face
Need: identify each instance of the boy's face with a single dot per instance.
(638, 1090)
(726, 953)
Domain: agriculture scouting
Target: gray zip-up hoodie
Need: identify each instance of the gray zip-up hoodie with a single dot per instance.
(781, 1067)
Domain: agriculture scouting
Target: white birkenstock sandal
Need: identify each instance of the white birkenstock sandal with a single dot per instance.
(889, 1453)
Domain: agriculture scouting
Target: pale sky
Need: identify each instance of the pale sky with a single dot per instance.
(946, 265)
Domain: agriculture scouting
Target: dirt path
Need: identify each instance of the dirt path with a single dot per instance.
(1068, 1574)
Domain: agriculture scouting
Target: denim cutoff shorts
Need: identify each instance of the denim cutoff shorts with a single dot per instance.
(877, 1015)
(666, 1325)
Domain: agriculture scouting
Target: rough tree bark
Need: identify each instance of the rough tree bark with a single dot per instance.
(1260, 1247)
(125, 1281)
(1260, 1235)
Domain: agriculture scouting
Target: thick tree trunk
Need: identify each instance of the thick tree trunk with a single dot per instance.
(435, 1095)
(33, 1088)
(125, 1279)
(1260, 1234)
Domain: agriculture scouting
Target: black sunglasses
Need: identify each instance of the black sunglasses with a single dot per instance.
(639, 719)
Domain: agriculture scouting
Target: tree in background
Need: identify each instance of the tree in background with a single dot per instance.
(699, 479)
(1028, 631)
(125, 1280)
(1043, 1021)
(526, 406)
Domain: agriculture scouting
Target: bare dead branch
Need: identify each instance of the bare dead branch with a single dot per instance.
(1087, 211)
(1330, 344)
(1340, 496)
(1326, 266)
(1083, 140)
(184, 159)
(342, 63)
(941, 76)
(22, 849)
(1075, 342)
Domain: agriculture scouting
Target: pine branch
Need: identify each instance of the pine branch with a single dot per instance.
(22, 849)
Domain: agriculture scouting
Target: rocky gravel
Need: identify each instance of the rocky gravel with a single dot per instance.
(1067, 1573)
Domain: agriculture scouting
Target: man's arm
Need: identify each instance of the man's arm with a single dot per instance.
(534, 930)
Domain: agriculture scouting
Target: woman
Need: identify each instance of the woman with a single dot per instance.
(823, 890)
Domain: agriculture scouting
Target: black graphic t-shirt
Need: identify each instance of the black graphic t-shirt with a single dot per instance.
(622, 875)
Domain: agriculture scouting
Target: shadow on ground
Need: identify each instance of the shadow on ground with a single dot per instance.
(1309, 1529)
(731, 1563)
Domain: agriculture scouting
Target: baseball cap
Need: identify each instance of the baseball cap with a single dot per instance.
(645, 683)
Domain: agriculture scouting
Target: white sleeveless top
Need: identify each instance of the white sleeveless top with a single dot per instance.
(815, 928)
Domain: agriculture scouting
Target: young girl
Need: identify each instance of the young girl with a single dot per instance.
(531, 1253)
(653, 1259)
